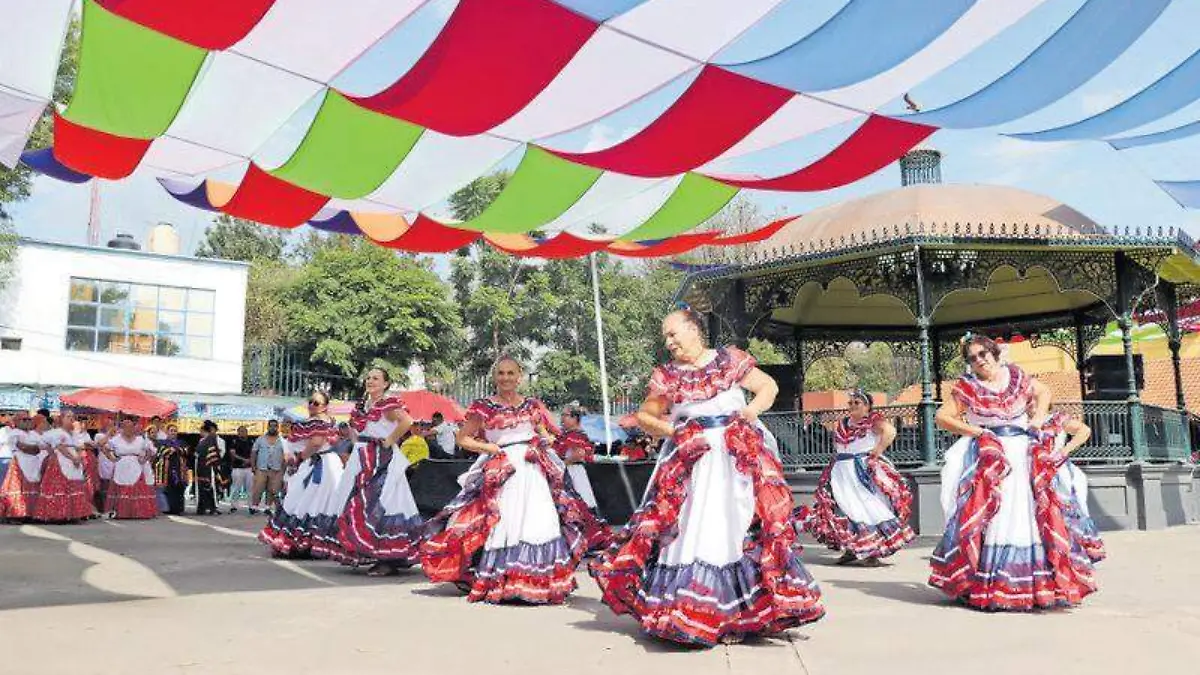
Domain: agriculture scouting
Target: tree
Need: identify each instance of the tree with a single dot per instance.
(767, 353)
(8, 251)
(356, 306)
(471, 200)
(16, 183)
(232, 238)
(266, 313)
(829, 374)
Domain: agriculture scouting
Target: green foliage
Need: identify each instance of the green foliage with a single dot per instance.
(766, 353)
(15, 184)
(828, 375)
(266, 313)
(471, 200)
(232, 238)
(359, 305)
(8, 251)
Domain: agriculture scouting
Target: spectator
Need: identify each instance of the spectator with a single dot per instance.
(444, 432)
(241, 472)
(266, 457)
(8, 442)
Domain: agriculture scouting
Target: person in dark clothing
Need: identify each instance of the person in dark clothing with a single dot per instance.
(207, 461)
(240, 472)
(170, 470)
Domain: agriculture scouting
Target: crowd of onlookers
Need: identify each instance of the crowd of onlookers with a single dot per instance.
(243, 472)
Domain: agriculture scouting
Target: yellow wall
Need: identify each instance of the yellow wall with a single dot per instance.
(1052, 360)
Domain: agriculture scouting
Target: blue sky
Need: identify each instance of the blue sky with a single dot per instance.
(1114, 188)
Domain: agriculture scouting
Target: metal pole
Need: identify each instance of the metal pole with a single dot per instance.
(600, 350)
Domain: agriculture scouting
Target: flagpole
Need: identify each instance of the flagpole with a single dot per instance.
(600, 349)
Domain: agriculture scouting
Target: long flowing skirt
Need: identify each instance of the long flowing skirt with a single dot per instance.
(380, 521)
(1016, 536)
(513, 532)
(711, 552)
(18, 494)
(62, 493)
(861, 507)
(306, 509)
(131, 494)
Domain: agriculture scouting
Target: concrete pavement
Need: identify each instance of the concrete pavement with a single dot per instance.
(192, 595)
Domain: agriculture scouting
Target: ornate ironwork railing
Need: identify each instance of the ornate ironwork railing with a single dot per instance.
(806, 438)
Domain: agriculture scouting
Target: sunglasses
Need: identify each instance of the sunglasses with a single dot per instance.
(978, 357)
(315, 402)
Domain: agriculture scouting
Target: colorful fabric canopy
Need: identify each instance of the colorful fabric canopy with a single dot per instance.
(196, 86)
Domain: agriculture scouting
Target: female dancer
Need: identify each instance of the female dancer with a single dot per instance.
(19, 492)
(513, 532)
(1007, 545)
(62, 497)
(575, 449)
(307, 510)
(862, 504)
(379, 520)
(710, 555)
(131, 491)
(91, 466)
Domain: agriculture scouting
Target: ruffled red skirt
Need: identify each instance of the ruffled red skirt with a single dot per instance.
(60, 499)
(534, 573)
(132, 502)
(766, 591)
(18, 497)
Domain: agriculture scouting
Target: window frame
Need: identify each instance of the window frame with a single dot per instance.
(131, 296)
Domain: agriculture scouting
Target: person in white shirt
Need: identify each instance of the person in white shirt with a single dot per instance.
(62, 494)
(108, 430)
(131, 491)
(445, 433)
(8, 444)
(19, 492)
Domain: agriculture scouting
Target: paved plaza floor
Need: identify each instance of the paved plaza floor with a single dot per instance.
(192, 595)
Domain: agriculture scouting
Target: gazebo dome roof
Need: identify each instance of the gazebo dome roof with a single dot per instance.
(937, 209)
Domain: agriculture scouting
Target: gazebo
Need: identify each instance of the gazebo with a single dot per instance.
(918, 267)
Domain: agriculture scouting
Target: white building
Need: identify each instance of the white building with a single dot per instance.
(82, 316)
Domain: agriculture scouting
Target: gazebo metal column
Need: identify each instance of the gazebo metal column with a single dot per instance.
(1126, 296)
(927, 407)
(1080, 355)
(1168, 299)
(798, 363)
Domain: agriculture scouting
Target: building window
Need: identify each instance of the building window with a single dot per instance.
(116, 317)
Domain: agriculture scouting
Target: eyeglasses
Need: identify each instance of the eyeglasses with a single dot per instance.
(978, 357)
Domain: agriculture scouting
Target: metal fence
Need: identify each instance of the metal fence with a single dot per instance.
(806, 438)
(269, 370)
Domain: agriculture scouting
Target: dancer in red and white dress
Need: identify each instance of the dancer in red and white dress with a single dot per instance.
(379, 521)
(514, 532)
(62, 495)
(104, 463)
(862, 503)
(19, 491)
(131, 492)
(307, 510)
(1009, 542)
(576, 450)
(710, 556)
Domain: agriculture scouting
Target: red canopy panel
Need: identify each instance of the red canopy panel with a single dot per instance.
(209, 24)
(427, 235)
(94, 152)
(492, 58)
(877, 143)
(266, 199)
(715, 113)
